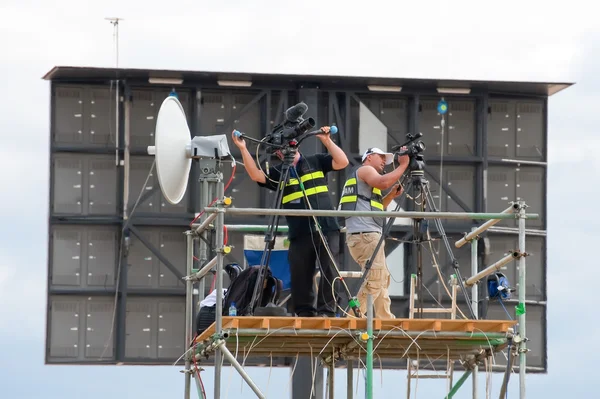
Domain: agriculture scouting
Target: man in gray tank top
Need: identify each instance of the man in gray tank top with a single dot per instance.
(362, 192)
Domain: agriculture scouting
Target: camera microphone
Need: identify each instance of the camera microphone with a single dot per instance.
(295, 112)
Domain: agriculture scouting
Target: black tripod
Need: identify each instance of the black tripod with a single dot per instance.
(289, 153)
(419, 187)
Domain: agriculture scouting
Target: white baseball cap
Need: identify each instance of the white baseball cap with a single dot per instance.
(389, 157)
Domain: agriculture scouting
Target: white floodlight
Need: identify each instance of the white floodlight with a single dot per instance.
(165, 81)
(234, 83)
(395, 89)
(454, 90)
(174, 149)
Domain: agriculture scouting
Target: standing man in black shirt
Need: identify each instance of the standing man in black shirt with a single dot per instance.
(306, 247)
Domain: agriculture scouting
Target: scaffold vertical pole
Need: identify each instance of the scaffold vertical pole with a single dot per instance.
(474, 298)
(203, 247)
(189, 292)
(220, 222)
(520, 310)
(369, 390)
(350, 378)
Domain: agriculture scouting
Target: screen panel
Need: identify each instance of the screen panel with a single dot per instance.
(431, 127)
(173, 246)
(100, 110)
(84, 115)
(68, 116)
(215, 109)
(530, 131)
(84, 184)
(501, 191)
(139, 341)
(461, 124)
(145, 268)
(80, 328)
(516, 129)
(501, 128)
(102, 183)
(98, 322)
(65, 317)
(155, 328)
(83, 256)
(102, 243)
(250, 120)
(139, 169)
(69, 172)
(68, 258)
(460, 179)
(171, 329)
(458, 129)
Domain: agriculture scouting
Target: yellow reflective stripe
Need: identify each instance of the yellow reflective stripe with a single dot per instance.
(348, 198)
(377, 191)
(300, 194)
(350, 181)
(304, 178)
(377, 205)
(310, 176)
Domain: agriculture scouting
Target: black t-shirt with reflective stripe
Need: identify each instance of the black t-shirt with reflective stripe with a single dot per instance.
(298, 225)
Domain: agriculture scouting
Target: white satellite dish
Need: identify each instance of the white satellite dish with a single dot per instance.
(174, 149)
(172, 141)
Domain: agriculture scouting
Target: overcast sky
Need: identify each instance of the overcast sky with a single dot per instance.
(509, 40)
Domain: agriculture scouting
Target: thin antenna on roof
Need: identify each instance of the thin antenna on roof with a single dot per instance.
(115, 22)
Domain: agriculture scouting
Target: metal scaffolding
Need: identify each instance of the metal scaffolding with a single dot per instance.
(213, 217)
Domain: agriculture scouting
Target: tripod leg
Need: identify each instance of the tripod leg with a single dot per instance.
(455, 265)
(418, 233)
(269, 242)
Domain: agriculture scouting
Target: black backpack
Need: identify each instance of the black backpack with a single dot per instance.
(242, 287)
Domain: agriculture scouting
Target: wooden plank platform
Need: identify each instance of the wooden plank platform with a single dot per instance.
(395, 338)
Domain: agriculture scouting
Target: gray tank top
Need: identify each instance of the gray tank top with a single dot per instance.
(357, 224)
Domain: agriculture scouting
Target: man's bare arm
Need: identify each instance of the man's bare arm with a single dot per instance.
(340, 160)
(253, 171)
(369, 175)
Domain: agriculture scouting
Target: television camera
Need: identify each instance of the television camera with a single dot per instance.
(414, 149)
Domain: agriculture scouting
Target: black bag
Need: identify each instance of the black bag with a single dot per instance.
(205, 318)
(242, 287)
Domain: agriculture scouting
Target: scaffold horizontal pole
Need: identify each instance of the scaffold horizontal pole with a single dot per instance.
(335, 213)
(508, 211)
(412, 334)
